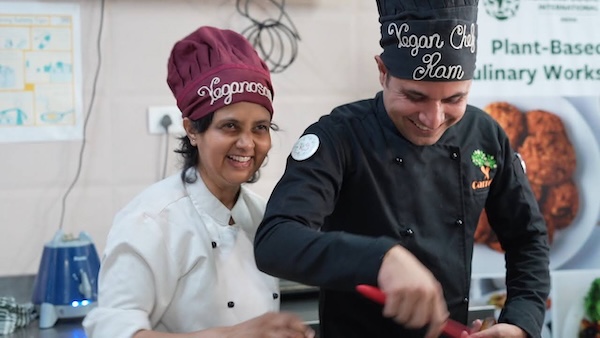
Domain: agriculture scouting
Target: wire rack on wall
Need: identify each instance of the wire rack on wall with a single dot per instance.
(275, 38)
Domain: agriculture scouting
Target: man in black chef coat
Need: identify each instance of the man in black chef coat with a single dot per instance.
(388, 192)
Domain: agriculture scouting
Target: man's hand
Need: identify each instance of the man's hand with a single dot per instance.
(414, 298)
(501, 330)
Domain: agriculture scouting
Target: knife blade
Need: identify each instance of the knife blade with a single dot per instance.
(452, 328)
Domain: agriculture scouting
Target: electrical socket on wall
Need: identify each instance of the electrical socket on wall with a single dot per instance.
(155, 115)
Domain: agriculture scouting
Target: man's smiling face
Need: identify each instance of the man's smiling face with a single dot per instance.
(423, 110)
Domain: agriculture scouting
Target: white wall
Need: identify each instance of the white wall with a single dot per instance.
(335, 65)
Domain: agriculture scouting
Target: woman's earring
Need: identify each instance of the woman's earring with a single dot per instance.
(193, 141)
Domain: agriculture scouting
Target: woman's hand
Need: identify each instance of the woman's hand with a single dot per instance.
(269, 325)
(272, 325)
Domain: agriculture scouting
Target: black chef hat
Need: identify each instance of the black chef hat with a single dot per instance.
(429, 40)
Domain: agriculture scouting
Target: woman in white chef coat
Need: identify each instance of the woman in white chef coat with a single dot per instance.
(179, 257)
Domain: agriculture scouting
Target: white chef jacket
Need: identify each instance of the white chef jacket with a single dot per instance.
(173, 263)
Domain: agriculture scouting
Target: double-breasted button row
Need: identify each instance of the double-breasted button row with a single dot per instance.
(231, 304)
(453, 155)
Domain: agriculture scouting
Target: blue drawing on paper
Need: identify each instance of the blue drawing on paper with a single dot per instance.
(12, 117)
(8, 78)
(55, 117)
(44, 40)
(58, 71)
(11, 44)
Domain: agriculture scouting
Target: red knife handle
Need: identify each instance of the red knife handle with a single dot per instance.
(452, 328)
(372, 293)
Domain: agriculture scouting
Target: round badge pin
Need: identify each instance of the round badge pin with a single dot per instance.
(305, 147)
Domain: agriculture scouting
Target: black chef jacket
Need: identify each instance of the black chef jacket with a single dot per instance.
(332, 217)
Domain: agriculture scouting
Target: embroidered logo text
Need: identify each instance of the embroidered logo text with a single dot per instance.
(485, 163)
(227, 90)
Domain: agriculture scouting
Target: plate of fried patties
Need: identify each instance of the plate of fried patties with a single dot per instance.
(562, 161)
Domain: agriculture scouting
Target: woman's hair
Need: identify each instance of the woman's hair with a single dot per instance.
(190, 154)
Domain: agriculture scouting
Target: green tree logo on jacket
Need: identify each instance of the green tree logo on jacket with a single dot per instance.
(485, 163)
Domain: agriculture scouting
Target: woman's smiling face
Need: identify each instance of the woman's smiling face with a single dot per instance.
(234, 146)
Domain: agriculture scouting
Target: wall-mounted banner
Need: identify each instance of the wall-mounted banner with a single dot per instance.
(40, 72)
(538, 47)
(538, 75)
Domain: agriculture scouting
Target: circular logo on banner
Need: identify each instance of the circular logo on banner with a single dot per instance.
(501, 9)
(305, 147)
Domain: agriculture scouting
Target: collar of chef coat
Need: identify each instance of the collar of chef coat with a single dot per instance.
(205, 202)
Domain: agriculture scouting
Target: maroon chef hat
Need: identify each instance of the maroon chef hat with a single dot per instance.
(212, 68)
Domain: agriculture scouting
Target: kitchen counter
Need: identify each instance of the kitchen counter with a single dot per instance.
(306, 306)
(63, 329)
(302, 301)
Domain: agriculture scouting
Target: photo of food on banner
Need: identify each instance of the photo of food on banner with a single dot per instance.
(576, 302)
(547, 152)
(590, 323)
(489, 295)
